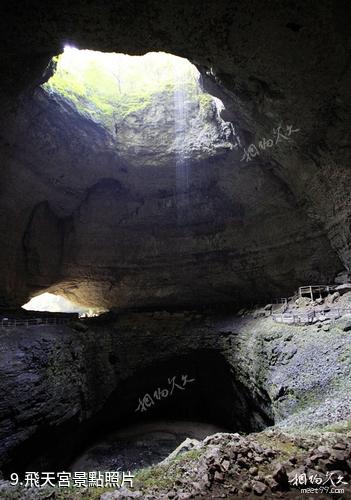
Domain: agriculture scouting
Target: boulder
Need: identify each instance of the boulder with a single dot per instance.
(187, 445)
(121, 494)
(272, 483)
(281, 477)
(258, 488)
(344, 323)
(334, 297)
(253, 471)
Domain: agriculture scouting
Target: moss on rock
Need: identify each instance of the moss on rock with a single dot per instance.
(110, 87)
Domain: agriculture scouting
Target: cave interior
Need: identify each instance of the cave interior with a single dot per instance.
(168, 157)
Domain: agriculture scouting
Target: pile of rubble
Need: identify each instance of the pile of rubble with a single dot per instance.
(268, 465)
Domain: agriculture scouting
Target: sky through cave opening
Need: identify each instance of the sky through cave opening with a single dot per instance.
(49, 302)
(150, 105)
(110, 86)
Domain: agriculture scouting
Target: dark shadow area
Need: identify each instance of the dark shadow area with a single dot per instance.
(196, 388)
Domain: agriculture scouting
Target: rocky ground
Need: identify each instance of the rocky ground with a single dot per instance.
(300, 375)
(270, 464)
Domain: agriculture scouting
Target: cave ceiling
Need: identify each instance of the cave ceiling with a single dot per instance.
(257, 213)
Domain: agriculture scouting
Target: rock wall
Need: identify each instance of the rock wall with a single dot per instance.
(250, 230)
(88, 221)
(56, 381)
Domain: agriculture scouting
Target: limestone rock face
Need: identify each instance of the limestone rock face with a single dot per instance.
(43, 246)
(121, 228)
(56, 381)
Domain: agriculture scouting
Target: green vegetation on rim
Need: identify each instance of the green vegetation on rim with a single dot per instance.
(165, 475)
(109, 87)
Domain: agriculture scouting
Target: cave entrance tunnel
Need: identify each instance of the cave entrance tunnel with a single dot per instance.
(147, 416)
(47, 302)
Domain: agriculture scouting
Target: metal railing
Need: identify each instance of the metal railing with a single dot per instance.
(13, 323)
(308, 317)
(280, 300)
(311, 290)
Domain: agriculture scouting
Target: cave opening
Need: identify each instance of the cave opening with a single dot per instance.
(126, 137)
(118, 91)
(49, 302)
(55, 303)
(110, 86)
(126, 114)
(148, 414)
